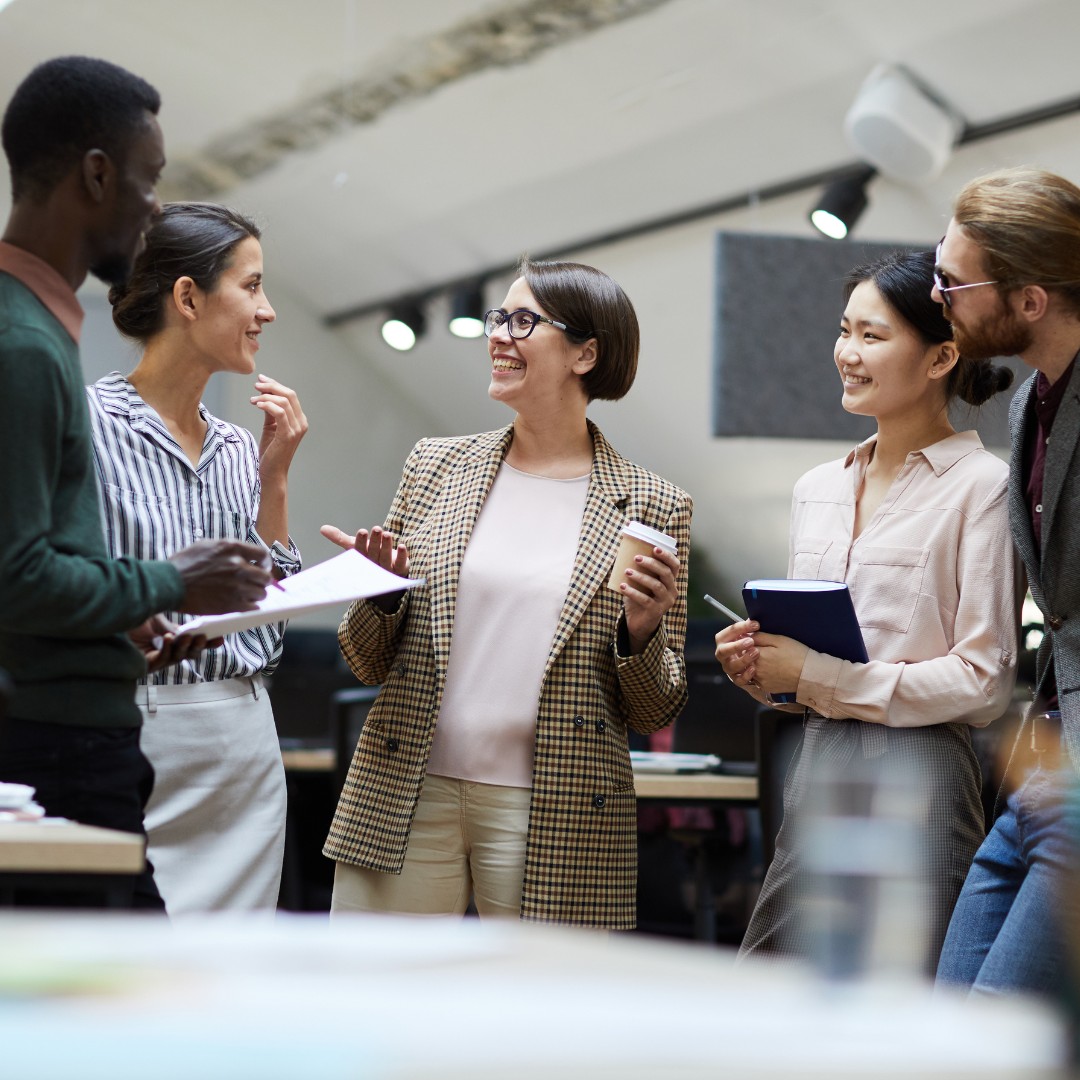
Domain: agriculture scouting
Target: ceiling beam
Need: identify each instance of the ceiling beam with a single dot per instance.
(504, 36)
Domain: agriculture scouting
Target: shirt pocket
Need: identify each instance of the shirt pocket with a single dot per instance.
(136, 522)
(809, 554)
(886, 583)
(220, 523)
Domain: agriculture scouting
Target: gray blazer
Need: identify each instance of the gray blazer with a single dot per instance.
(1054, 572)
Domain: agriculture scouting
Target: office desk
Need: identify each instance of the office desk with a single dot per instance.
(705, 789)
(696, 787)
(672, 787)
(389, 998)
(309, 759)
(67, 856)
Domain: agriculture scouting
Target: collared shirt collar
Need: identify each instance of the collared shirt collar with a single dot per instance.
(120, 398)
(941, 456)
(46, 284)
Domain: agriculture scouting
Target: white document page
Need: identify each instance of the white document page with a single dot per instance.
(338, 581)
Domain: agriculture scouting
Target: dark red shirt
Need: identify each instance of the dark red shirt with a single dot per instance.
(1047, 400)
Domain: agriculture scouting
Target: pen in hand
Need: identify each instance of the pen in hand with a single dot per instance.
(268, 565)
(724, 608)
(780, 698)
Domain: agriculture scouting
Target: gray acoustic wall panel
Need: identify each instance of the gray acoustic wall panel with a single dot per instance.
(778, 306)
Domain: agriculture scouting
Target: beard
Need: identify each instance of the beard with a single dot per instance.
(1001, 335)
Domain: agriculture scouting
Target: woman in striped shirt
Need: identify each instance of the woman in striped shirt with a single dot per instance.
(171, 473)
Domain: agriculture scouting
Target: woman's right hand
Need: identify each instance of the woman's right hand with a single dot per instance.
(375, 544)
(737, 653)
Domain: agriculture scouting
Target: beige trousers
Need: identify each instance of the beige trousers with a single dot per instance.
(467, 842)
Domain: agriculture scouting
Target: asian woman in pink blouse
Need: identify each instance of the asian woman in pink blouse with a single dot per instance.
(914, 520)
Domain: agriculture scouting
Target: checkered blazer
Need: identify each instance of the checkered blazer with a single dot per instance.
(581, 853)
(1054, 572)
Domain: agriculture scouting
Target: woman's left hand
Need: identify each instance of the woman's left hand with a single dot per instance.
(779, 663)
(649, 591)
(284, 425)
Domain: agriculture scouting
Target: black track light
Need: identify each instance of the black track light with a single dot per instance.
(404, 323)
(841, 204)
(467, 311)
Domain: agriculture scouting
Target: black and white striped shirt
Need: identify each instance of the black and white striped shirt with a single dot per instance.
(155, 502)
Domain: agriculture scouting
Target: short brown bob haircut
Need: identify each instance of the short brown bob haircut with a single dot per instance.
(592, 306)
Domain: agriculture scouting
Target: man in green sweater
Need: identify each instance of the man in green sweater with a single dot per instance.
(76, 627)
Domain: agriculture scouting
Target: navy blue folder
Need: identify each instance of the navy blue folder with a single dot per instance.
(817, 613)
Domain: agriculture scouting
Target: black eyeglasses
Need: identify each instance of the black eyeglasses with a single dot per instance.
(520, 323)
(941, 279)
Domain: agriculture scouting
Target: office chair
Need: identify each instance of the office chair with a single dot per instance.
(348, 710)
(719, 719)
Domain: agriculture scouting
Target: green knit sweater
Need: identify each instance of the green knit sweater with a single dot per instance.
(64, 604)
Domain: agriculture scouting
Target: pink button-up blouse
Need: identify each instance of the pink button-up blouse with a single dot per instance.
(932, 577)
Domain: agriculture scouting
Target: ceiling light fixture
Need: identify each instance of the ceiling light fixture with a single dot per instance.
(467, 311)
(902, 126)
(404, 323)
(841, 204)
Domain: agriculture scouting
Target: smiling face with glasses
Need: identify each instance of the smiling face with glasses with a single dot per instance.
(534, 369)
(942, 283)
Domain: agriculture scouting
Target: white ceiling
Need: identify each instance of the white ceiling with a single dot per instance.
(680, 106)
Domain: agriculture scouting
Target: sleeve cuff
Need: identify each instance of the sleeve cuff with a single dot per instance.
(286, 559)
(817, 684)
(648, 658)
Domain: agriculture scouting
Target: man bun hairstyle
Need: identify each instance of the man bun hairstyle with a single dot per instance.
(593, 306)
(194, 240)
(905, 279)
(64, 108)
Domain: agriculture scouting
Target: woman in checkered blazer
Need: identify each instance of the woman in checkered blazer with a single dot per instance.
(494, 765)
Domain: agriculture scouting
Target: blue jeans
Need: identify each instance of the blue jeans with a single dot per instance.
(1006, 933)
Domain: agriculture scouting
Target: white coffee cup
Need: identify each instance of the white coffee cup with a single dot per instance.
(637, 539)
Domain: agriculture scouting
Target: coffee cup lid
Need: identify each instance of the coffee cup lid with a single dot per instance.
(651, 536)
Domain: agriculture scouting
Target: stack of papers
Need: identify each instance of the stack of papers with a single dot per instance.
(17, 803)
(338, 581)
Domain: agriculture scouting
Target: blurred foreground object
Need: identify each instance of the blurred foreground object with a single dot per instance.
(865, 863)
(225, 996)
